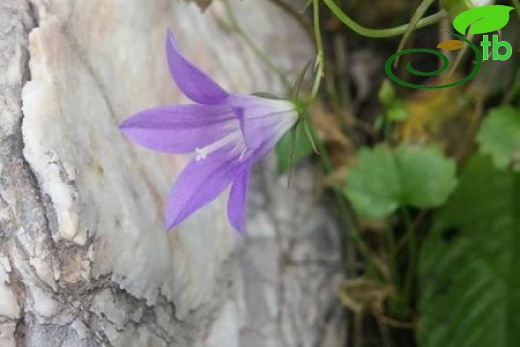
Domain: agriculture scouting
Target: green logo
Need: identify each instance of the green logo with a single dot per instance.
(480, 20)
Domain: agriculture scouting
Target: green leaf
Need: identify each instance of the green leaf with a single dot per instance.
(483, 19)
(499, 136)
(469, 265)
(303, 148)
(383, 180)
(397, 112)
(386, 93)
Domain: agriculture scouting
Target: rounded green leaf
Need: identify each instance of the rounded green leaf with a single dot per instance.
(482, 19)
(373, 183)
(383, 179)
(427, 176)
(499, 136)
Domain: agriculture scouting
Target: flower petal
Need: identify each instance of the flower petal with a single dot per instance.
(236, 208)
(262, 119)
(195, 84)
(180, 128)
(200, 183)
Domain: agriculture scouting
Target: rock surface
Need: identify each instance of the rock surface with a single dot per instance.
(84, 257)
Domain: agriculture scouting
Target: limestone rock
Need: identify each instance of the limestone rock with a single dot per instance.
(84, 258)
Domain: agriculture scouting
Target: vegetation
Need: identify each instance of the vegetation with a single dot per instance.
(425, 182)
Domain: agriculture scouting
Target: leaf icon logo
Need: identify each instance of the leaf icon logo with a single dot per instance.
(482, 20)
(451, 45)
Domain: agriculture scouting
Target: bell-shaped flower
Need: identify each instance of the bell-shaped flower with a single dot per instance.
(227, 133)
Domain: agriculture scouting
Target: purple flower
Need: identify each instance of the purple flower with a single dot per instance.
(227, 133)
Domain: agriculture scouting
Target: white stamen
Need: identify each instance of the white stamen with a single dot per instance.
(233, 137)
(200, 154)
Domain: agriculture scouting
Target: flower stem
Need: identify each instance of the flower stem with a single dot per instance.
(381, 33)
(320, 63)
(345, 211)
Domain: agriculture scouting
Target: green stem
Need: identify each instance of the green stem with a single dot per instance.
(247, 40)
(412, 255)
(346, 213)
(516, 3)
(514, 90)
(419, 12)
(398, 303)
(461, 55)
(391, 245)
(380, 33)
(320, 64)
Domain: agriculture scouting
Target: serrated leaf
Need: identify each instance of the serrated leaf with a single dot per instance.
(451, 45)
(468, 271)
(383, 179)
(303, 148)
(483, 19)
(499, 136)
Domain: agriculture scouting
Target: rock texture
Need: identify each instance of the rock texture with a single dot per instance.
(84, 259)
